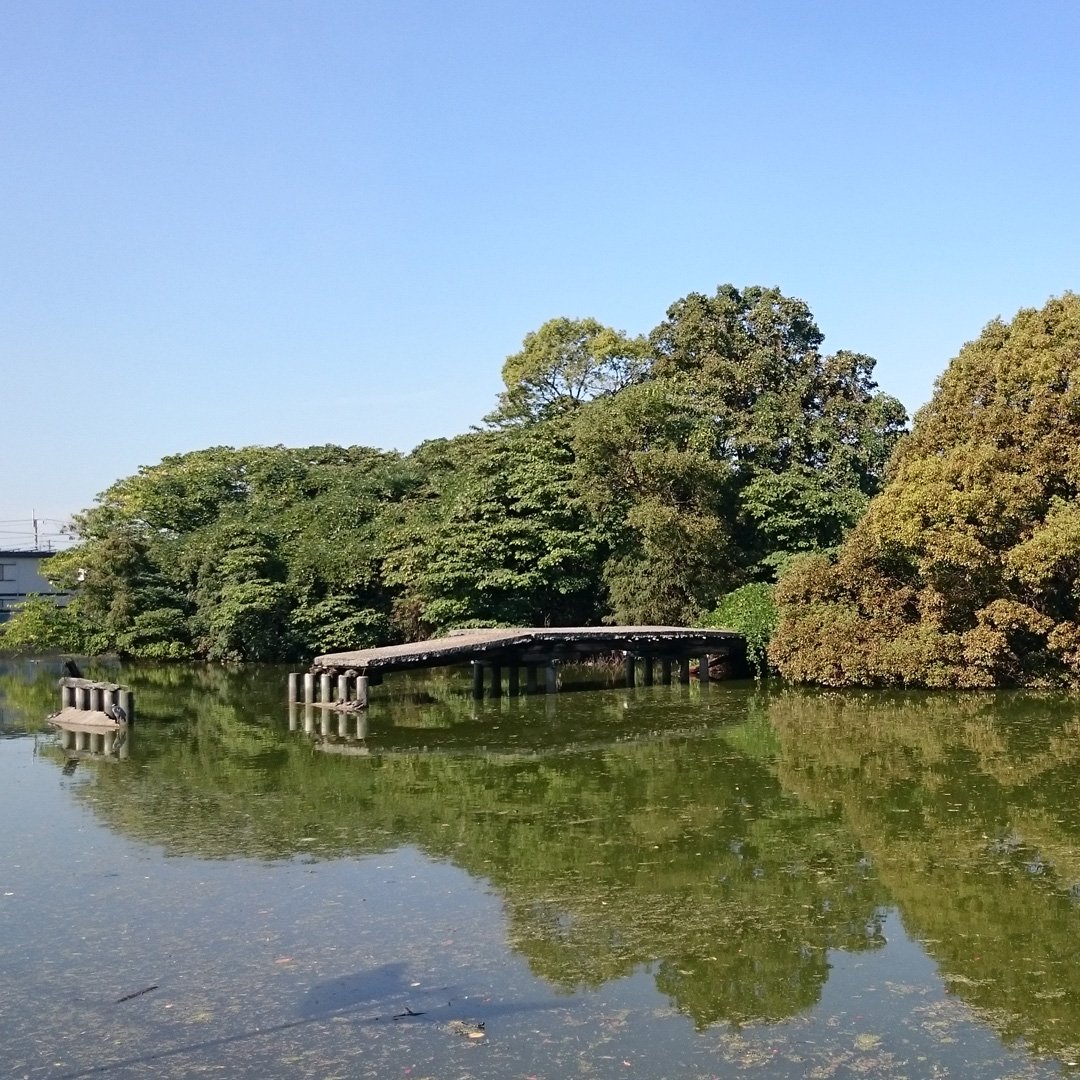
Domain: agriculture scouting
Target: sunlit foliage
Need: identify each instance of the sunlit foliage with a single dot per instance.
(966, 570)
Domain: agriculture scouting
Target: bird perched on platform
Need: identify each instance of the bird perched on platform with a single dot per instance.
(117, 713)
(72, 669)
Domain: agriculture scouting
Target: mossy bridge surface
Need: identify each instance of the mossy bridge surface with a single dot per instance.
(492, 651)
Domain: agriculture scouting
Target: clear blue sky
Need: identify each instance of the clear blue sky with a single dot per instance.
(308, 222)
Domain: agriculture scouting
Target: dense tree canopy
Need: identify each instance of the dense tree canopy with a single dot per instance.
(741, 445)
(250, 554)
(966, 569)
(628, 479)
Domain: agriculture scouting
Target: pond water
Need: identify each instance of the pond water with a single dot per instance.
(661, 882)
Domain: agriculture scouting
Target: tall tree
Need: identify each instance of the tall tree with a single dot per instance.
(744, 445)
(966, 569)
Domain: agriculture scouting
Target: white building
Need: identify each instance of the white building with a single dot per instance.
(20, 577)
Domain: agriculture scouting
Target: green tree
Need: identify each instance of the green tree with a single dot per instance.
(39, 625)
(662, 500)
(239, 554)
(965, 571)
(743, 445)
(564, 363)
(499, 538)
(751, 610)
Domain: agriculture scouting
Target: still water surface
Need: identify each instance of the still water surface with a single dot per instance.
(660, 882)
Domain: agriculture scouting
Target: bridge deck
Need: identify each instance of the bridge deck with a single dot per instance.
(532, 644)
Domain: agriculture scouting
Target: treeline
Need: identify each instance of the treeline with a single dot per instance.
(623, 479)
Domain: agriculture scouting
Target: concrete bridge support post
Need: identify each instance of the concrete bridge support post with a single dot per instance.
(477, 680)
(630, 667)
(551, 679)
(665, 670)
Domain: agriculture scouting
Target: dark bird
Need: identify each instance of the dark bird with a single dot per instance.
(72, 669)
(117, 713)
